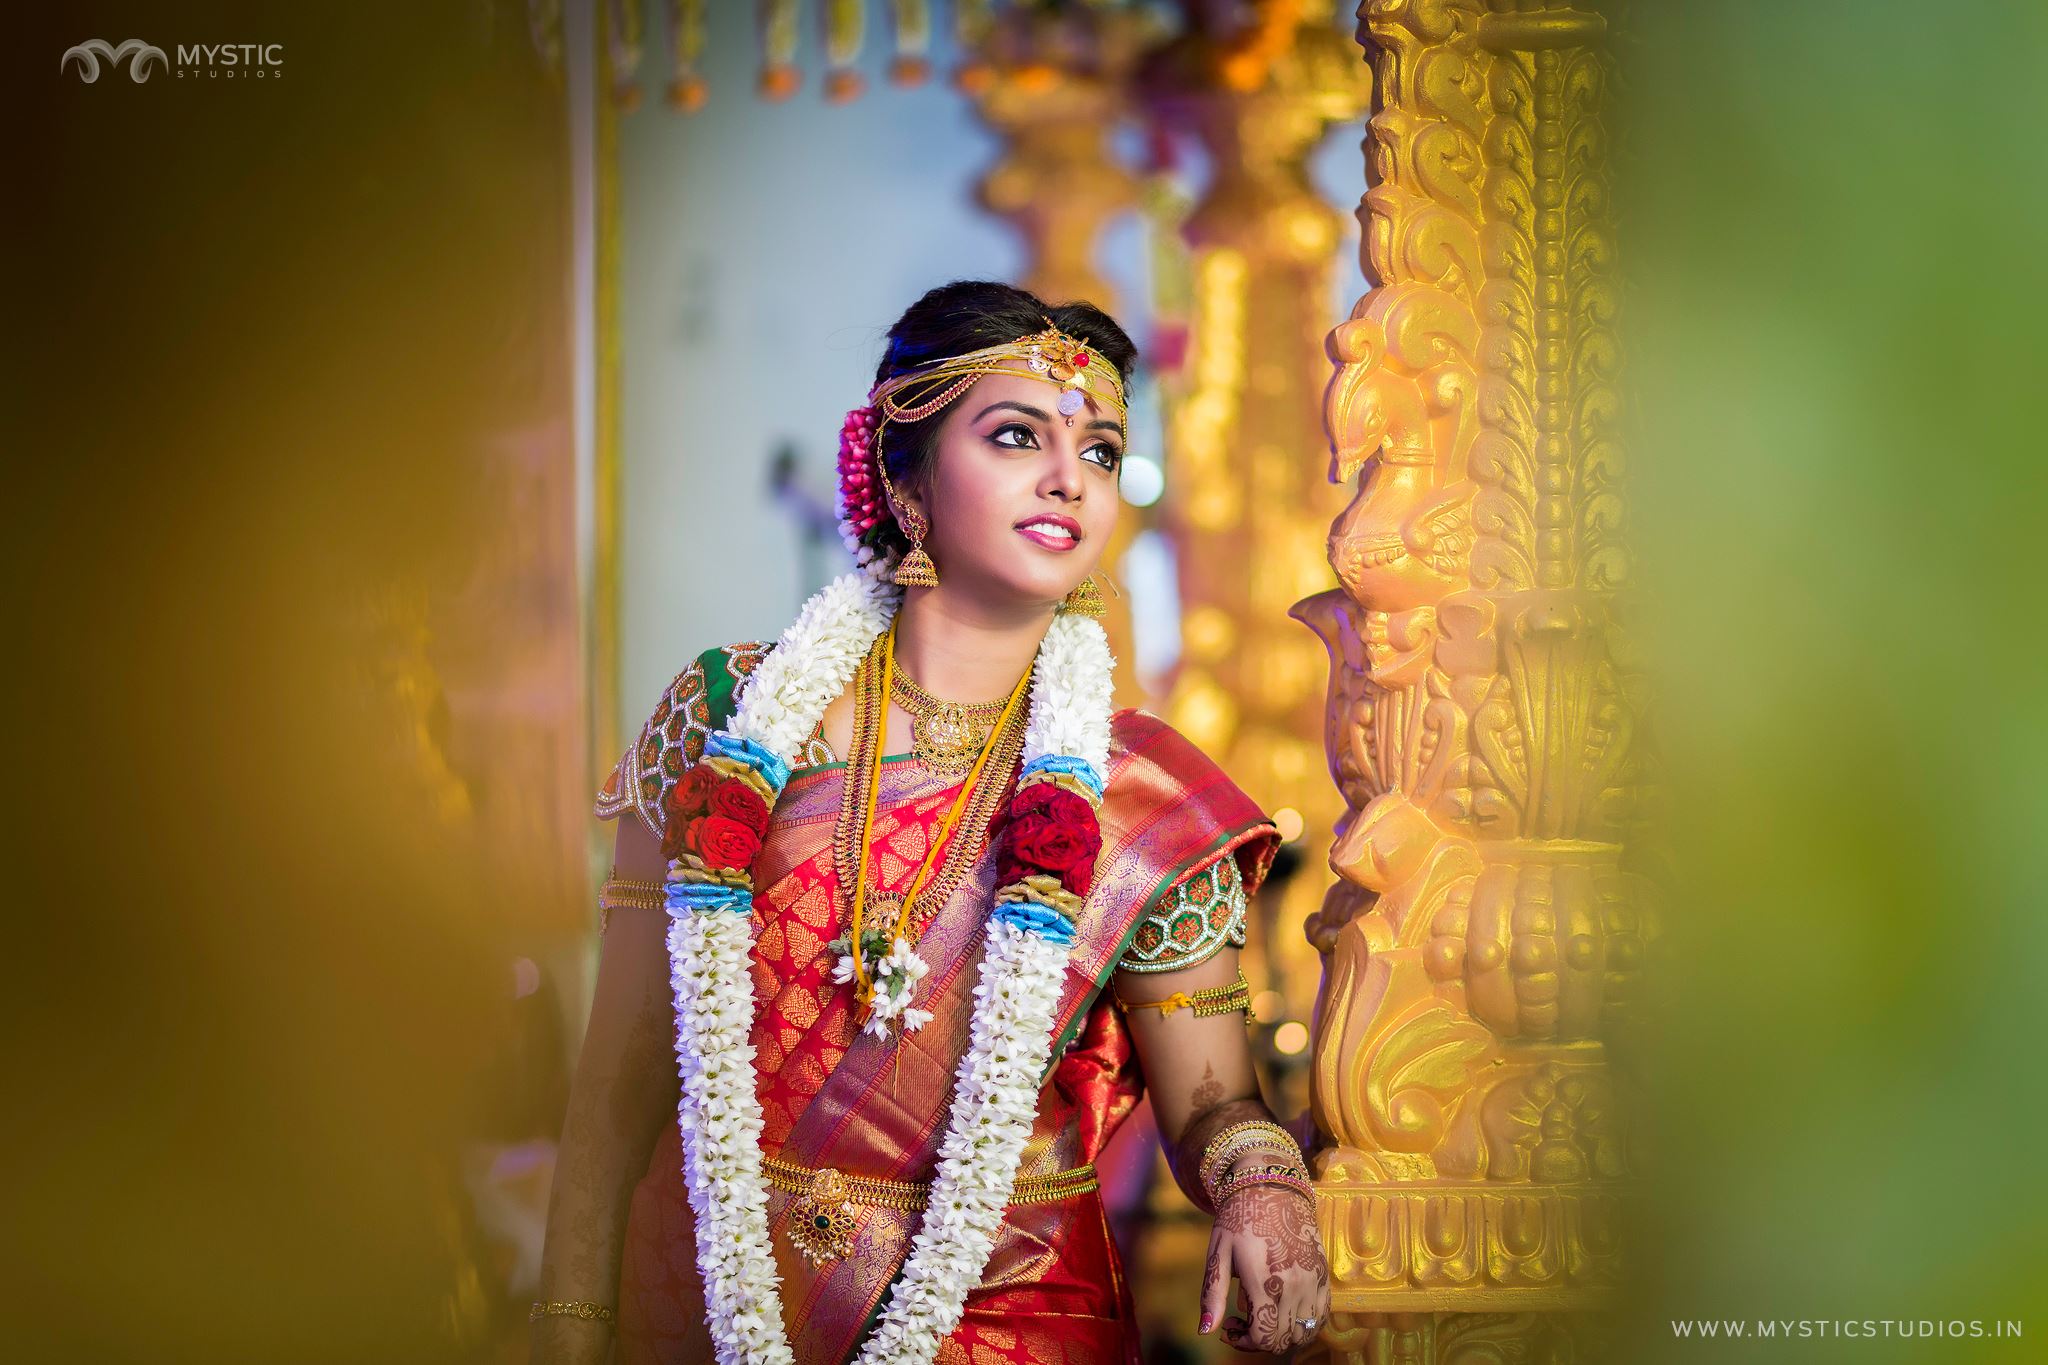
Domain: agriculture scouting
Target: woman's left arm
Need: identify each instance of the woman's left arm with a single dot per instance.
(1200, 1076)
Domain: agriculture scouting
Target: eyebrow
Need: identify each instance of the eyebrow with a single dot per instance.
(1099, 424)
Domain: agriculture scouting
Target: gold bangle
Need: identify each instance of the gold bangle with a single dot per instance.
(1239, 1139)
(1267, 1175)
(580, 1308)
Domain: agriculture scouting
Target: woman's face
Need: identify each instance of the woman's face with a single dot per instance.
(1021, 504)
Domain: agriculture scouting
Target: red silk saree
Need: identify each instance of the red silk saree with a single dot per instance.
(1053, 1289)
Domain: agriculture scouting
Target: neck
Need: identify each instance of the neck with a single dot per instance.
(961, 649)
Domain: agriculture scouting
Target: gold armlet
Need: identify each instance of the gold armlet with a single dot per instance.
(587, 1311)
(629, 893)
(1210, 1000)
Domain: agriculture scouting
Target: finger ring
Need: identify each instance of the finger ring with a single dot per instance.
(1306, 1324)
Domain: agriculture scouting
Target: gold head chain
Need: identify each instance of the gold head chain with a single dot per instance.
(1080, 372)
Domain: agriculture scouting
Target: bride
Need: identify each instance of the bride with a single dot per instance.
(905, 921)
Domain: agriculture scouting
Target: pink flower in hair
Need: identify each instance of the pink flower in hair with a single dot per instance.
(861, 506)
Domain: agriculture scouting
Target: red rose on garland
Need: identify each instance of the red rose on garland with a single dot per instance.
(687, 801)
(722, 842)
(1050, 829)
(735, 800)
(691, 794)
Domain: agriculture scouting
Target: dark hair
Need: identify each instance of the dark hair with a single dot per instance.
(964, 316)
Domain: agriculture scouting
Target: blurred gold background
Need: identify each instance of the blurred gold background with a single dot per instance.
(308, 425)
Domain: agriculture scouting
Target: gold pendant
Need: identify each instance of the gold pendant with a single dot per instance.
(883, 908)
(944, 740)
(822, 1219)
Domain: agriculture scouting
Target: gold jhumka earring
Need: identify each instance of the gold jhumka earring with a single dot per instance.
(1084, 600)
(915, 569)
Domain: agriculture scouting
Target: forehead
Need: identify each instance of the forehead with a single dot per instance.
(1016, 388)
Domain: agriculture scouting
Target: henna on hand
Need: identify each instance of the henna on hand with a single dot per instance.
(1273, 1235)
(1261, 1331)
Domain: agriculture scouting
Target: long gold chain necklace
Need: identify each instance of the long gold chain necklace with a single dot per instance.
(961, 834)
(945, 736)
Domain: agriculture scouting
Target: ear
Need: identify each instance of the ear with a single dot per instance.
(906, 496)
(901, 497)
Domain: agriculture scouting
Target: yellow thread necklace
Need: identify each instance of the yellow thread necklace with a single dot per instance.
(863, 987)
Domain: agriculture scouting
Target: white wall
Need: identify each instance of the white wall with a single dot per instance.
(766, 249)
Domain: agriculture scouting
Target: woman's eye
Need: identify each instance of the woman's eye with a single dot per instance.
(1017, 436)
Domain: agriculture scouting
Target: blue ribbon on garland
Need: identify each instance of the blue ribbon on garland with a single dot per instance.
(685, 897)
(1065, 763)
(719, 744)
(1047, 923)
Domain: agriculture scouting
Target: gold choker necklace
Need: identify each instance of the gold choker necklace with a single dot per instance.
(945, 736)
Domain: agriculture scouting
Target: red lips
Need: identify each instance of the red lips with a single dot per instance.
(1051, 541)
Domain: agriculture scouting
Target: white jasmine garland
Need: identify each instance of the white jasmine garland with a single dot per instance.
(995, 1100)
(1070, 697)
(995, 1094)
(720, 1117)
(812, 663)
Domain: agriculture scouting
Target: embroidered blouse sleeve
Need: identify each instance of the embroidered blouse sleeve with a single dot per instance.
(670, 741)
(696, 703)
(1192, 922)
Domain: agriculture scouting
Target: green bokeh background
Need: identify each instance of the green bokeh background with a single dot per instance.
(1833, 214)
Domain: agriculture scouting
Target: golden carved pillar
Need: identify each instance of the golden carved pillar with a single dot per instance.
(1051, 85)
(1246, 501)
(1485, 935)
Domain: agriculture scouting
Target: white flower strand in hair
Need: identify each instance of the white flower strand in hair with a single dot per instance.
(1010, 1039)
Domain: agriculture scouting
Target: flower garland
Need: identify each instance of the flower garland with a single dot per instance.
(1047, 841)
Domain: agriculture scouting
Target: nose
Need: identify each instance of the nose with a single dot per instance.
(1062, 476)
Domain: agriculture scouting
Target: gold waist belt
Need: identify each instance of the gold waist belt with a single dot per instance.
(822, 1218)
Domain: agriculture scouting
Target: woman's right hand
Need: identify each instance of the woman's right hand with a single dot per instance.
(622, 1094)
(1267, 1238)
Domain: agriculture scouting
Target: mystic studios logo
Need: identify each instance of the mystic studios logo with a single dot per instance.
(199, 61)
